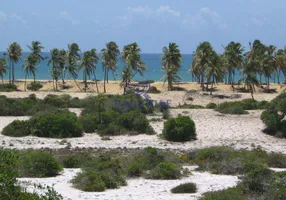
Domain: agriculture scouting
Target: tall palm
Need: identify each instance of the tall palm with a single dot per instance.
(36, 49)
(72, 62)
(201, 61)
(88, 65)
(63, 57)
(234, 59)
(30, 66)
(3, 68)
(14, 54)
(215, 72)
(133, 64)
(95, 58)
(109, 59)
(280, 58)
(269, 64)
(56, 70)
(171, 58)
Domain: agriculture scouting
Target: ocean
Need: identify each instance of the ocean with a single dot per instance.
(152, 61)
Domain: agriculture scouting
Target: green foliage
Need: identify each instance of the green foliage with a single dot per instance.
(9, 187)
(231, 108)
(179, 129)
(273, 116)
(37, 164)
(153, 90)
(8, 87)
(17, 129)
(34, 86)
(277, 160)
(100, 174)
(185, 188)
(58, 124)
(165, 170)
(89, 123)
(166, 114)
(228, 194)
(72, 162)
(211, 106)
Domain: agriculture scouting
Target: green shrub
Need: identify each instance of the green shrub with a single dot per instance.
(34, 86)
(273, 116)
(165, 170)
(89, 123)
(8, 87)
(133, 121)
(211, 106)
(89, 181)
(235, 108)
(228, 194)
(17, 129)
(153, 90)
(58, 124)
(166, 114)
(38, 164)
(72, 161)
(277, 160)
(179, 129)
(185, 188)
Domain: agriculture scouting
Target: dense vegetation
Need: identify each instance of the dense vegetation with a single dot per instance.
(274, 117)
(240, 107)
(52, 124)
(9, 187)
(110, 171)
(179, 129)
(258, 181)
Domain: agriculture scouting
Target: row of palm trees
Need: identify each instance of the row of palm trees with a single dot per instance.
(207, 67)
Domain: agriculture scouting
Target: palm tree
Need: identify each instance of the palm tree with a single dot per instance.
(171, 58)
(280, 58)
(109, 59)
(56, 71)
(269, 64)
(95, 58)
(234, 59)
(88, 65)
(72, 62)
(36, 49)
(133, 64)
(3, 68)
(14, 54)
(215, 72)
(30, 66)
(202, 61)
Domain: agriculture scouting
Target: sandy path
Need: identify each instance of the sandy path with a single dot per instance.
(142, 189)
(213, 129)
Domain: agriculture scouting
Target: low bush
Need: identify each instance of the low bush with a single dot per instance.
(277, 160)
(89, 123)
(56, 101)
(179, 129)
(9, 87)
(185, 188)
(234, 108)
(165, 170)
(166, 114)
(211, 106)
(17, 129)
(34, 86)
(153, 90)
(228, 194)
(99, 174)
(57, 124)
(37, 164)
(72, 161)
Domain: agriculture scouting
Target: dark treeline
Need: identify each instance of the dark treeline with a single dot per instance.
(208, 67)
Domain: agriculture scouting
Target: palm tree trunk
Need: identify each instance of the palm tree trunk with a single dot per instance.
(25, 85)
(13, 75)
(84, 80)
(53, 84)
(107, 75)
(77, 85)
(104, 89)
(203, 81)
(34, 78)
(278, 76)
(10, 72)
(96, 83)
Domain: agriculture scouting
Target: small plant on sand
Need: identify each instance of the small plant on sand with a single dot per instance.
(17, 129)
(179, 129)
(185, 188)
(165, 170)
(34, 86)
(211, 106)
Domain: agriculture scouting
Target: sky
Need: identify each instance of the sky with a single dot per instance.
(150, 23)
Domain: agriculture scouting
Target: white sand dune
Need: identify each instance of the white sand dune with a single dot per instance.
(136, 189)
(213, 129)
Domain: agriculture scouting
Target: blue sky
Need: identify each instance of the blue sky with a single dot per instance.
(151, 23)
